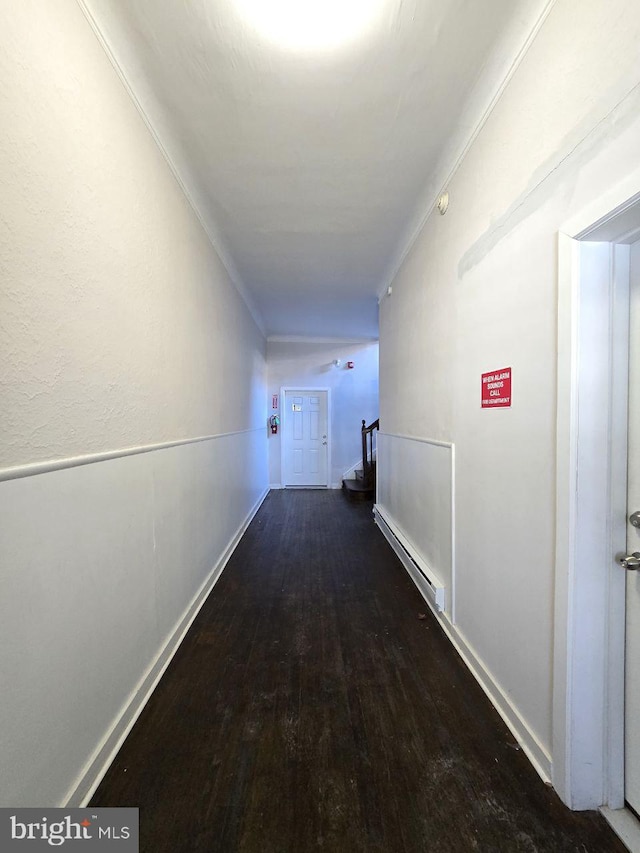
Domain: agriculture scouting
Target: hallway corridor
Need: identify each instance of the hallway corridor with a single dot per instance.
(310, 708)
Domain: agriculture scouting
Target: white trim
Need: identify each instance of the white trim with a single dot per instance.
(434, 441)
(93, 772)
(214, 237)
(614, 200)
(288, 388)
(626, 826)
(617, 529)
(451, 446)
(452, 591)
(565, 513)
(307, 339)
(588, 697)
(516, 724)
(35, 468)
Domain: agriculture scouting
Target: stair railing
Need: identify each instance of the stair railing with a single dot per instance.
(368, 447)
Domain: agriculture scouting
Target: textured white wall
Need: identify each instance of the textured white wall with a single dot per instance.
(119, 326)
(119, 329)
(354, 393)
(479, 292)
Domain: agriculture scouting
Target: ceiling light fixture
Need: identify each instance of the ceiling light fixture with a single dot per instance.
(311, 24)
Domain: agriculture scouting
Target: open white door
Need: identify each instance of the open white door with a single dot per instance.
(632, 651)
(305, 438)
(596, 749)
(593, 324)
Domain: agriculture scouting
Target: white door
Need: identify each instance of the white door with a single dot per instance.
(305, 438)
(632, 654)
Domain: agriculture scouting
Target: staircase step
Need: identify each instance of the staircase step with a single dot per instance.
(358, 490)
(359, 473)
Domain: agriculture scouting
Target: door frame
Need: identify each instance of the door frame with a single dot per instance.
(283, 417)
(592, 388)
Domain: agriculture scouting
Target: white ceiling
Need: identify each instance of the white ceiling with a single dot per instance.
(312, 170)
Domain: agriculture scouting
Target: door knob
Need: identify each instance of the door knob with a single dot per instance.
(631, 562)
(634, 518)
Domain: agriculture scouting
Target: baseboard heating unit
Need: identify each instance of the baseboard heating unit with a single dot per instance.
(430, 586)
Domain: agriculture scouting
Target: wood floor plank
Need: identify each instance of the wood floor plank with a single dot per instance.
(309, 708)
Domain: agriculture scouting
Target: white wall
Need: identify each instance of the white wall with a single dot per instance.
(354, 393)
(477, 292)
(120, 332)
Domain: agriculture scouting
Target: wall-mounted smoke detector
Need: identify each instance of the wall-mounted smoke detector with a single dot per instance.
(443, 203)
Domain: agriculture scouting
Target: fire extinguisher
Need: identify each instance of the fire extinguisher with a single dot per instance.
(274, 420)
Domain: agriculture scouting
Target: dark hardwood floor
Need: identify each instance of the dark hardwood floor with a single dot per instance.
(309, 708)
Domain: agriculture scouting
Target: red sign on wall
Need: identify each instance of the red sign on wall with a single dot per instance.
(496, 389)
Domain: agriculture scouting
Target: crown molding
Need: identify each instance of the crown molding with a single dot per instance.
(302, 339)
(213, 235)
(449, 165)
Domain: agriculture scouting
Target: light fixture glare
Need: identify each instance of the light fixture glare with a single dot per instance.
(311, 24)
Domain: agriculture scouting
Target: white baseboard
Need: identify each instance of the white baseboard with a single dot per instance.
(331, 486)
(517, 725)
(526, 738)
(93, 772)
